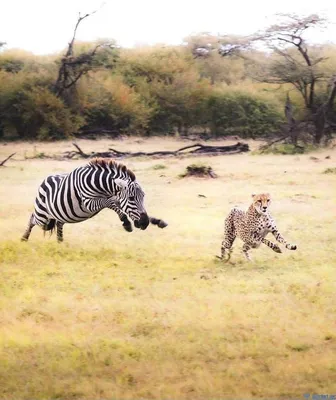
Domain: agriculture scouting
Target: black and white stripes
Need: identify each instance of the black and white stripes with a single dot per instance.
(84, 192)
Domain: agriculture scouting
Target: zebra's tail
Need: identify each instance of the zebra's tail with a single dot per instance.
(50, 226)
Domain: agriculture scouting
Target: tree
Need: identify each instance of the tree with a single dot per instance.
(169, 83)
(204, 48)
(295, 63)
(73, 67)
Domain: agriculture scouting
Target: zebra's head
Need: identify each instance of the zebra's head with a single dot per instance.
(131, 199)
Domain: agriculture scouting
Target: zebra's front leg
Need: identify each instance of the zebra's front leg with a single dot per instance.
(127, 225)
(30, 226)
(281, 239)
(59, 231)
(159, 222)
(271, 245)
(126, 222)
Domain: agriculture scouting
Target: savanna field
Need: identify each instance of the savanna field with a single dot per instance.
(154, 314)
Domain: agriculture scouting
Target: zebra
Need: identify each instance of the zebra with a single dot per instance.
(84, 192)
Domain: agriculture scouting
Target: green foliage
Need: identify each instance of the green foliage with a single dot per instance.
(109, 103)
(154, 90)
(170, 83)
(241, 114)
(213, 66)
(15, 61)
(29, 110)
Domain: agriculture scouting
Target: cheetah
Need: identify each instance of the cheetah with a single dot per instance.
(252, 227)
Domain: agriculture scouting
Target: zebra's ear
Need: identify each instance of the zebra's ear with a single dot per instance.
(120, 184)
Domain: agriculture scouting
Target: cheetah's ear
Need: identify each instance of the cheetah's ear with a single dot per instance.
(253, 195)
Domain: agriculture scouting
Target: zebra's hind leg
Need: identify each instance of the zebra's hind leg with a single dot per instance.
(159, 222)
(30, 226)
(59, 231)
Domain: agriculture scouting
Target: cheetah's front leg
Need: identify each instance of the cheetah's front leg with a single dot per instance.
(281, 239)
(246, 248)
(271, 245)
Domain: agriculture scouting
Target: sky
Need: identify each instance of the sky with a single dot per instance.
(46, 26)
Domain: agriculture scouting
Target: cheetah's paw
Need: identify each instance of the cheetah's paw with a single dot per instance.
(277, 249)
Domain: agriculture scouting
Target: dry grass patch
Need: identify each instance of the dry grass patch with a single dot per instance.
(110, 314)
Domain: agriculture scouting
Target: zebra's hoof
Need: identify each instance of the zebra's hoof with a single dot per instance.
(162, 224)
(23, 239)
(128, 227)
(293, 247)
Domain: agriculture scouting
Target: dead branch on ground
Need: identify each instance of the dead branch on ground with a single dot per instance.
(198, 148)
(2, 163)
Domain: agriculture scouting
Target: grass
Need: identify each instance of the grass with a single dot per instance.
(159, 166)
(330, 171)
(153, 314)
(286, 148)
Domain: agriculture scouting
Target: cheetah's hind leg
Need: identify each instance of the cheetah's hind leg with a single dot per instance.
(225, 249)
(222, 257)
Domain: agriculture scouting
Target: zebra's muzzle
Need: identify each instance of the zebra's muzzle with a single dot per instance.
(143, 222)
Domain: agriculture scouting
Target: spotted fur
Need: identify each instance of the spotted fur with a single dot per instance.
(252, 227)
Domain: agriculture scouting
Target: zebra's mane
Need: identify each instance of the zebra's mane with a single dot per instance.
(110, 163)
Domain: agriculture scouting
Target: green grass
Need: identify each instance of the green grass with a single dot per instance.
(153, 314)
(157, 167)
(330, 171)
(287, 148)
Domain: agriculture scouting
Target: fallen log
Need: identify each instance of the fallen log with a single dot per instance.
(198, 148)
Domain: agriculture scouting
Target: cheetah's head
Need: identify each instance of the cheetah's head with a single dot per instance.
(261, 202)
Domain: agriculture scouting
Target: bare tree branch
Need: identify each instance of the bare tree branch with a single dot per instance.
(72, 67)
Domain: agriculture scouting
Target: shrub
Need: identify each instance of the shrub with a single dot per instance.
(199, 170)
(287, 148)
(109, 103)
(241, 114)
(330, 171)
(33, 112)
